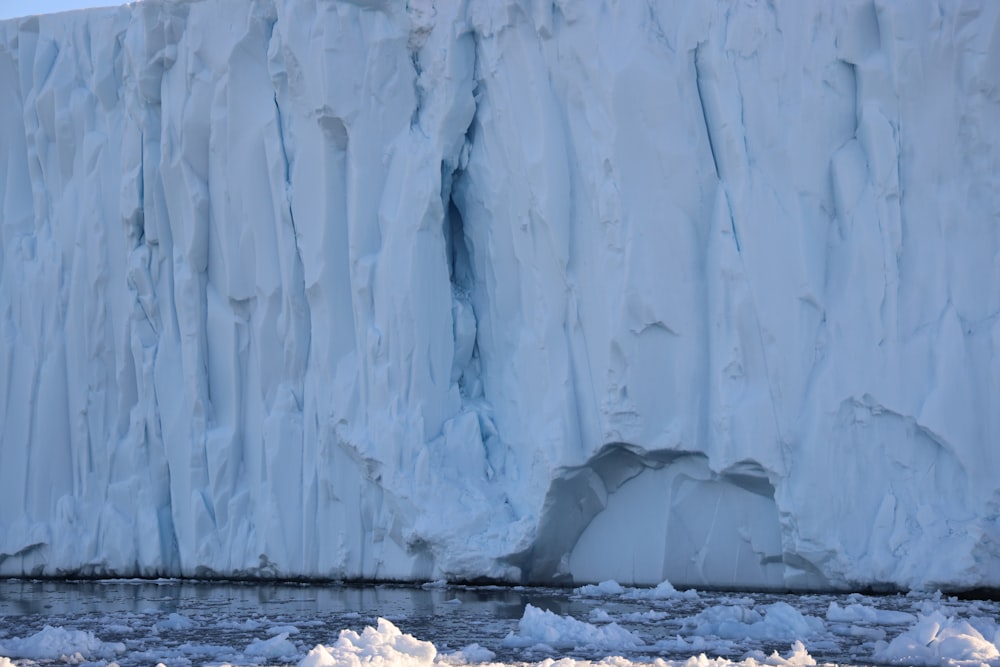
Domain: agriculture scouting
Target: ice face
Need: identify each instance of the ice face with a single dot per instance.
(507, 290)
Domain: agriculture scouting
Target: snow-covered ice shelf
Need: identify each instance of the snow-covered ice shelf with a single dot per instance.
(468, 289)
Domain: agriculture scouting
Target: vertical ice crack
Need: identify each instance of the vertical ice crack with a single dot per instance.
(709, 109)
(418, 91)
(462, 278)
(710, 134)
(699, 85)
(461, 275)
(281, 142)
(732, 221)
(299, 266)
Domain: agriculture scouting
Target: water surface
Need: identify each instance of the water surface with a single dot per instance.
(184, 623)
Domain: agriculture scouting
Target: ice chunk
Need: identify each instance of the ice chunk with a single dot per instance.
(603, 589)
(778, 621)
(936, 639)
(471, 654)
(611, 588)
(385, 645)
(58, 643)
(797, 657)
(540, 626)
(174, 621)
(858, 613)
(274, 647)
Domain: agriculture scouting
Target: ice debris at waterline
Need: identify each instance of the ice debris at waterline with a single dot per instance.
(479, 288)
(387, 645)
(622, 631)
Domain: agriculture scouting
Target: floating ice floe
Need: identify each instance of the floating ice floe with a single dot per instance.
(174, 622)
(778, 621)
(950, 633)
(936, 639)
(387, 645)
(471, 654)
(611, 588)
(376, 647)
(540, 626)
(859, 613)
(274, 647)
(56, 643)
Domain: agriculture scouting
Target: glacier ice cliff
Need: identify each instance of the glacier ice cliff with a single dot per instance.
(510, 289)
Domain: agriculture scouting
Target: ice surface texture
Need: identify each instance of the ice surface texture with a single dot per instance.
(535, 291)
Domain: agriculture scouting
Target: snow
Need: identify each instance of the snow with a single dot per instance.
(457, 290)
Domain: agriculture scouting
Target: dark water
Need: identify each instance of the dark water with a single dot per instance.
(217, 621)
(481, 614)
(127, 612)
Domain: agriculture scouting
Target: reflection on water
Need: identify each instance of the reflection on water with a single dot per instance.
(20, 597)
(450, 617)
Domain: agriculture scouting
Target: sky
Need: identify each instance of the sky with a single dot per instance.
(12, 8)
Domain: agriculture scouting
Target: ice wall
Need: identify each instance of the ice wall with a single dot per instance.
(533, 291)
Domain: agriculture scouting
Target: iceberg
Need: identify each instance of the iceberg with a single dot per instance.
(506, 290)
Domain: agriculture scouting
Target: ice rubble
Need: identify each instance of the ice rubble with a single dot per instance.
(939, 640)
(710, 628)
(460, 289)
(384, 645)
(554, 631)
(60, 644)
